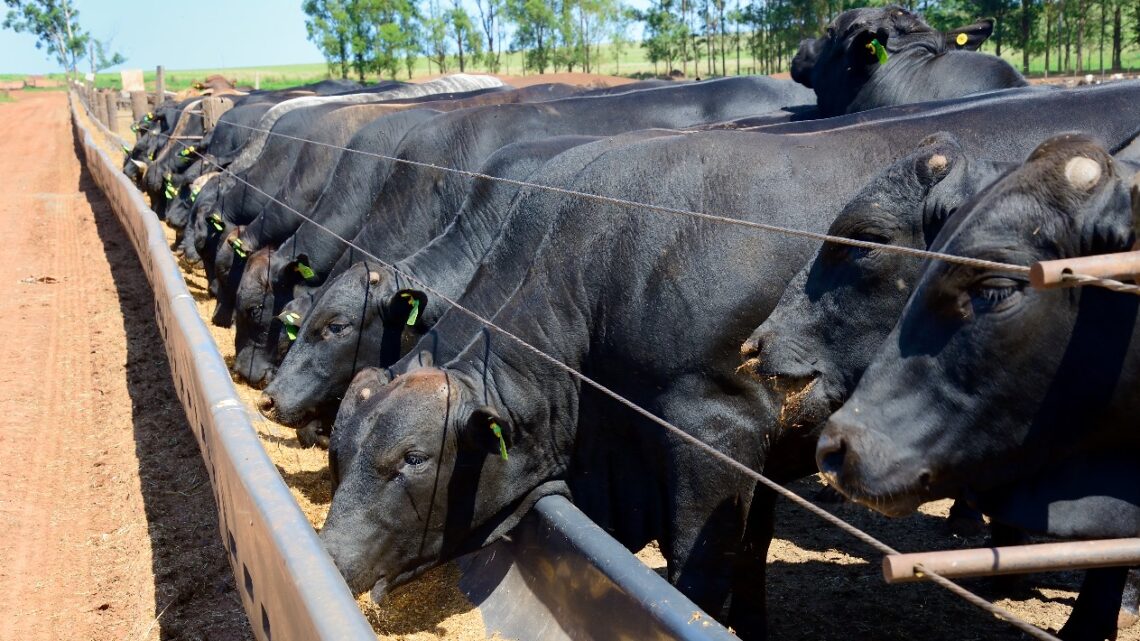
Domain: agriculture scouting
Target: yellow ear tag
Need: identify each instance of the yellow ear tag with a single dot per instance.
(961, 40)
(499, 435)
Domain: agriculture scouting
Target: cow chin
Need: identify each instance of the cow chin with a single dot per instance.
(805, 401)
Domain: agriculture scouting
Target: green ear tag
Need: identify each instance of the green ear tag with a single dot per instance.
(305, 271)
(126, 149)
(216, 221)
(171, 191)
(194, 193)
(502, 443)
(135, 128)
(414, 315)
(239, 248)
(185, 153)
(292, 323)
(879, 50)
(150, 156)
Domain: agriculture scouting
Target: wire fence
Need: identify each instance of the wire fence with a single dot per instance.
(860, 535)
(1072, 278)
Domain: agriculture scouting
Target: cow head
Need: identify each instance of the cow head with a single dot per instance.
(426, 473)
(837, 311)
(255, 305)
(985, 381)
(859, 41)
(351, 325)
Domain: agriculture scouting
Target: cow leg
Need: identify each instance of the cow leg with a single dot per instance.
(748, 613)
(1098, 606)
(708, 524)
(1130, 603)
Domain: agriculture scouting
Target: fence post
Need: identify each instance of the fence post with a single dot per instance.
(138, 105)
(112, 102)
(97, 106)
(88, 93)
(159, 85)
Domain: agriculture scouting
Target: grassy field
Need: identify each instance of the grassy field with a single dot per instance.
(632, 61)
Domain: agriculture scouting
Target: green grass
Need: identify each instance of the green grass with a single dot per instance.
(633, 62)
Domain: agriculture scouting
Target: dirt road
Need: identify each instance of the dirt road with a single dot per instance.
(109, 520)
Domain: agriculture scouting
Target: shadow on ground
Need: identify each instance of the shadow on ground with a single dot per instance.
(195, 595)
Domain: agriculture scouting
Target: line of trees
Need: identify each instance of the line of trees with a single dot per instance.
(695, 37)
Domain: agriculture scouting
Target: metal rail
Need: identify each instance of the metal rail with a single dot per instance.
(1019, 559)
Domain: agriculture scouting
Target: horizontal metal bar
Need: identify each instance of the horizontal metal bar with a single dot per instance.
(1018, 559)
(1050, 274)
(187, 137)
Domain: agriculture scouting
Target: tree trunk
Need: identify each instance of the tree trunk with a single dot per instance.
(997, 32)
(1116, 43)
(1103, 28)
(1048, 35)
(1080, 37)
(1025, 36)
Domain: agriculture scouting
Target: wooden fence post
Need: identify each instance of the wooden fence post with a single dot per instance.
(111, 99)
(97, 106)
(138, 105)
(212, 108)
(159, 85)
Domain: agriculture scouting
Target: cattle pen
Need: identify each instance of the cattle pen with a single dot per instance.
(559, 574)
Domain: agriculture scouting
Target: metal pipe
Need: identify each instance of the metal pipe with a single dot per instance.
(1049, 274)
(1018, 559)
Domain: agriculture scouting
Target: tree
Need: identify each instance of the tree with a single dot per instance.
(55, 26)
(535, 26)
(435, 33)
(490, 18)
(462, 30)
(101, 56)
(327, 24)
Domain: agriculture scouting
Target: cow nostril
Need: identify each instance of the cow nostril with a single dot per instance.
(924, 479)
(830, 453)
(265, 403)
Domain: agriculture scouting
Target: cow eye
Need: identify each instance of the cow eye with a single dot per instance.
(415, 459)
(994, 294)
(255, 311)
(336, 328)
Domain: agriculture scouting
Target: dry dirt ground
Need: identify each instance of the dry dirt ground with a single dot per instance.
(822, 584)
(109, 522)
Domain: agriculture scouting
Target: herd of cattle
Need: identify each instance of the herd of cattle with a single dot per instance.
(337, 248)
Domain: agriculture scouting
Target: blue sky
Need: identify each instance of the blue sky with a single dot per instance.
(186, 34)
(180, 34)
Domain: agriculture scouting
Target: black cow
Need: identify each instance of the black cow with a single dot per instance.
(303, 186)
(405, 217)
(653, 306)
(1022, 399)
(876, 57)
(376, 301)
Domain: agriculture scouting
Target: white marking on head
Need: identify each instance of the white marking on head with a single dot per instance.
(373, 278)
(1082, 173)
(365, 393)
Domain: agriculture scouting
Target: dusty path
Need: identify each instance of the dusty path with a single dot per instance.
(108, 517)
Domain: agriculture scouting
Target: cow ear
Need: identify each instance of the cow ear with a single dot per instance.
(940, 169)
(971, 36)
(804, 61)
(869, 48)
(1136, 210)
(407, 307)
(423, 359)
(487, 430)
